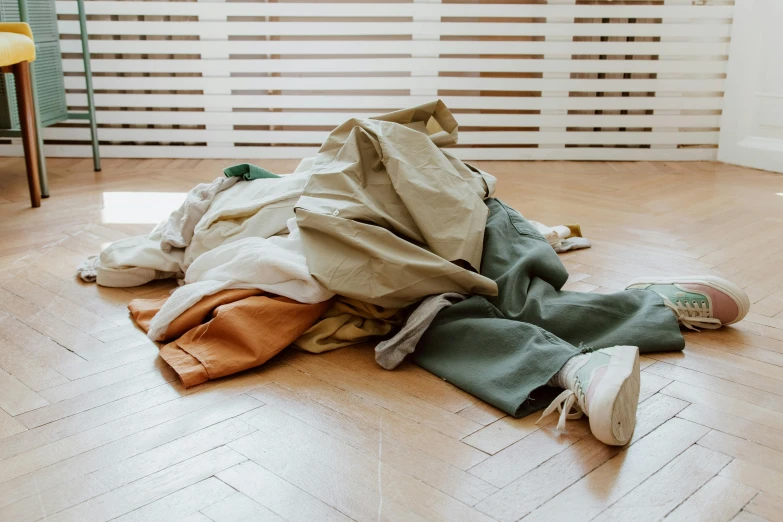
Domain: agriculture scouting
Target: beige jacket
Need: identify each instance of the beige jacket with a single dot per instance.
(388, 218)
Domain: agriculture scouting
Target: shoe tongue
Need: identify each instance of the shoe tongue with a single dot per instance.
(588, 373)
(590, 391)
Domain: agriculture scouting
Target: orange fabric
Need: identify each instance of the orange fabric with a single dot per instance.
(143, 310)
(229, 331)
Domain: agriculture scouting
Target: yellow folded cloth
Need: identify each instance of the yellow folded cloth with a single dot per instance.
(349, 321)
(16, 44)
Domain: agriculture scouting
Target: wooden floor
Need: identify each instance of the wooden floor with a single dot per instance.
(93, 426)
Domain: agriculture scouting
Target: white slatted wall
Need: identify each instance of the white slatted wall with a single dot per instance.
(528, 79)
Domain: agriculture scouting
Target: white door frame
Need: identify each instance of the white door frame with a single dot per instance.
(747, 65)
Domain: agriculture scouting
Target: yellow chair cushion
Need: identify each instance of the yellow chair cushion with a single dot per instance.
(16, 44)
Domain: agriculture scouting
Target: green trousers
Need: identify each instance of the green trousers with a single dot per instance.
(504, 349)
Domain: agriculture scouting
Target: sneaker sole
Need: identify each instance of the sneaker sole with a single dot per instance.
(727, 287)
(613, 406)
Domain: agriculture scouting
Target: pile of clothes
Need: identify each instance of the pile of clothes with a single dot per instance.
(366, 241)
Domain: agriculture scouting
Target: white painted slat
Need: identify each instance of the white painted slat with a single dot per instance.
(674, 9)
(212, 29)
(317, 137)
(585, 154)
(465, 120)
(361, 65)
(395, 83)
(397, 47)
(260, 153)
(379, 103)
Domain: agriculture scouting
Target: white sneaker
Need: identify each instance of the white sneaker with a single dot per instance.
(604, 385)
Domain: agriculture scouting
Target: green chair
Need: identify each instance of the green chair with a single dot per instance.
(47, 78)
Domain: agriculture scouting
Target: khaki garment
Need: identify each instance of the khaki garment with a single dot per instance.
(228, 332)
(347, 322)
(388, 218)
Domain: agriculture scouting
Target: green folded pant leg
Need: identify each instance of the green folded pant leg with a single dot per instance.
(504, 349)
(248, 172)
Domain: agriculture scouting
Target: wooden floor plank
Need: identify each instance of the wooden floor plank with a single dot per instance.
(744, 516)
(611, 481)
(74, 424)
(285, 445)
(106, 441)
(9, 425)
(278, 495)
(105, 395)
(414, 408)
(669, 487)
(182, 503)
(16, 397)
(149, 489)
(239, 508)
(717, 385)
(724, 403)
(117, 474)
(430, 470)
(768, 506)
(525, 494)
(526, 454)
(754, 476)
(743, 449)
(733, 425)
(399, 427)
(719, 500)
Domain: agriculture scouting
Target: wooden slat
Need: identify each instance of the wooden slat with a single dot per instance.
(184, 152)
(363, 65)
(212, 29)
(396, 83)
(407, 47)
(382, 102)
(316, 137)
(316, 119)
(673, 9)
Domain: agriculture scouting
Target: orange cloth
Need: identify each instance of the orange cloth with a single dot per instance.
(228, 332)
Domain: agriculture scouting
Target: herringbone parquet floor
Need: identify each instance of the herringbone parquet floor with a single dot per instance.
(93, 426)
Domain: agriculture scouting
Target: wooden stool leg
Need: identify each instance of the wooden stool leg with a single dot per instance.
(24, 96)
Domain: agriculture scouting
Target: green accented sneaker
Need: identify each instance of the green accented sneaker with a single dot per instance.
(604, 385)
(698, 301)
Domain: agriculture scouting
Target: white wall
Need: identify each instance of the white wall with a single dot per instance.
(261, 80)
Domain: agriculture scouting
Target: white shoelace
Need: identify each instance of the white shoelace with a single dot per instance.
(563, 402)
(690, 314)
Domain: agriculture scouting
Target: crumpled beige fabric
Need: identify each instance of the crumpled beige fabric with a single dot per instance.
(347, 322)
(388, 218)
(250, 209)
(178, 229)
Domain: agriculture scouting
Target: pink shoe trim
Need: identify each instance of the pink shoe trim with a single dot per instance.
(724, 308)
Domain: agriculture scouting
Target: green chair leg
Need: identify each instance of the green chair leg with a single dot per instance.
(96, 155)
